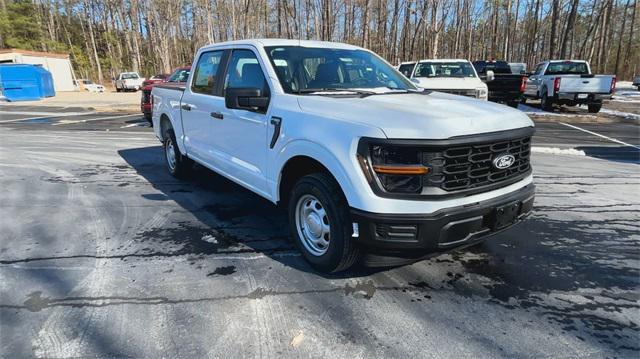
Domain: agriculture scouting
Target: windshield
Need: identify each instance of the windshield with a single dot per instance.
(444, 69)
(305, 69)
(567, 68)
(129, 76)
(179, 76)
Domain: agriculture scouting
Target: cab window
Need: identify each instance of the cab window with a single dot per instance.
(204, 77)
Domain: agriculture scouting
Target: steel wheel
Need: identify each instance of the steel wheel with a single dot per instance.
(171, 155)
(312, 224)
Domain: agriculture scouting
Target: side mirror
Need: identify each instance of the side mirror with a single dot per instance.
(490, 76)
(250, 99)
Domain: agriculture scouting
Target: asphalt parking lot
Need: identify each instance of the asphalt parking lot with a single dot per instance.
(103, 254)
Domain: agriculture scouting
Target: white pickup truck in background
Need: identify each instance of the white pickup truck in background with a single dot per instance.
(367, 162)
(129, 81)
(454, 76)
(568, 82)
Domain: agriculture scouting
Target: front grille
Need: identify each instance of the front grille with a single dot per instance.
(471, 166)
(468, 93)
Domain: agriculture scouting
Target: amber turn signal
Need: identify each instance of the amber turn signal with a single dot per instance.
(406, 170)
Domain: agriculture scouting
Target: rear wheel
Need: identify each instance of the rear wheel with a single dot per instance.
(118, 89)
(178, 165)
(320, 223)
(149, 118)
(513, 104)
(545, 103)
(594, 108)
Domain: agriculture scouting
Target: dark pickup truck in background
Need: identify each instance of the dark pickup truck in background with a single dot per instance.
(503, 85)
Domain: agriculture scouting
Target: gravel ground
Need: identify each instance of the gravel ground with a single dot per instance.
(103, 254)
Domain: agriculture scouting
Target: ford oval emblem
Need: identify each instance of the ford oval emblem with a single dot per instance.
(503, 161)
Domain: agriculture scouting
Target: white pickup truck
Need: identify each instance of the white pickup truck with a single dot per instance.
(455, 76)
(129, 81)
(370, 166)
(568, 82)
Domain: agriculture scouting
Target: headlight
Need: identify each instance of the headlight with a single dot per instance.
(396, 169)
(481, 93)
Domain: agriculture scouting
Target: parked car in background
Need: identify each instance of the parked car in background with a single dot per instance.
(455, 76)
(568, 82)
(518, 68)
(155, 79)
(177, 78)
(636, 82)
(129, 81)
(365, 160)
(503, 86)
(406, 68)
(89, 86)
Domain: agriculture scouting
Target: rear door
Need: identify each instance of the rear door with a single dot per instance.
(242, 134)
(201, 99)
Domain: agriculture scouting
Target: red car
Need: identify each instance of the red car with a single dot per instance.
(178, 77)
(155, 79)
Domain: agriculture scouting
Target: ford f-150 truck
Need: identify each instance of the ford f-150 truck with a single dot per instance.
(455, 76)
(369, 165)
(503, 85)
(568, 82)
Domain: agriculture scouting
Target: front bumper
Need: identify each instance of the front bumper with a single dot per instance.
(416, 235)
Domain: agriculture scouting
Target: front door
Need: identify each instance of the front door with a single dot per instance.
(242, 134)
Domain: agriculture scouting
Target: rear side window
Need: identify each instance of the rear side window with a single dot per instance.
(406, 69)
(244, 71)
(204, 77)
(539, 69)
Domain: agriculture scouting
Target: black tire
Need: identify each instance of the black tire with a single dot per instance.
(149, 117)
(182, 164)
(523, 100)
(545, 103)
(513, 103)
(594, 108)
(341, 252)
(118, 89)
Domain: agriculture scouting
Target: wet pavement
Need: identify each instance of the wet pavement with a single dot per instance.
(103, 254)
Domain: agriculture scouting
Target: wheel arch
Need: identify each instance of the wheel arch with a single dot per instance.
(304, 158)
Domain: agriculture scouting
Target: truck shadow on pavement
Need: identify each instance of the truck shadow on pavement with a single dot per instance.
(626, 154)
(229, 219)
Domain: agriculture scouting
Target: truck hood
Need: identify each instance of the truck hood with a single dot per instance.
(418, 115)
(450, 83)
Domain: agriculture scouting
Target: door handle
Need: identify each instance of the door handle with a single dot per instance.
(217, 115)
(186, 107)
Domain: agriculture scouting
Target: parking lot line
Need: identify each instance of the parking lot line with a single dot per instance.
(93, 119)
(599, 135)
(36, 115)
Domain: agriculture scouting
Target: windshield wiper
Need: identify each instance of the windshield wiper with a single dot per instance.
(334, 89)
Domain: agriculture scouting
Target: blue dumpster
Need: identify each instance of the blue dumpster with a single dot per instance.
(22, 82)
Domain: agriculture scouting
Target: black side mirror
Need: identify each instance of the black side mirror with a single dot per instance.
(251, 99)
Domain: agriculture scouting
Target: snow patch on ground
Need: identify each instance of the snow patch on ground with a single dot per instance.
(538, 112)
(558, 151)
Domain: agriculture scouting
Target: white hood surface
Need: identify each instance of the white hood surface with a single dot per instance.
(450, 83)
(418, 115)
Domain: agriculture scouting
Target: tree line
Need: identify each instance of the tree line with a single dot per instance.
(105, 37)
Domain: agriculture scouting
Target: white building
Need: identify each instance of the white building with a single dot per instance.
(58, 64)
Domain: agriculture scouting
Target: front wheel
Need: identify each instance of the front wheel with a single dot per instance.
(178, 165)
(594, 108)
(320, 223)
